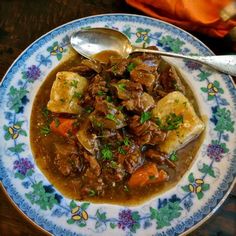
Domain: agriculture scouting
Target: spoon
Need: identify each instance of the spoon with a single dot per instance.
(89, 42)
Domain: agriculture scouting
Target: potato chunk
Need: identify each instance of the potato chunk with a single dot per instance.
(190, 127)
(66, 90)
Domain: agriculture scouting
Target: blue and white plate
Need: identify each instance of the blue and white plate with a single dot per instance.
(179, 210)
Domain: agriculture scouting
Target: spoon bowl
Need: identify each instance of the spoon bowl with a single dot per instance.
(89, 42)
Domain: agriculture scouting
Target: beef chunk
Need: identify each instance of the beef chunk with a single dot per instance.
(146, 133)
(67, 160)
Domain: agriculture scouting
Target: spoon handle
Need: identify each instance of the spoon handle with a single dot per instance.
(225, 64)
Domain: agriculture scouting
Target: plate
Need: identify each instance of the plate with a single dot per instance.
(179, 210)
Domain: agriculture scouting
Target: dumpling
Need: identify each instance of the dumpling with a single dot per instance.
(190, 127)
(66, 90)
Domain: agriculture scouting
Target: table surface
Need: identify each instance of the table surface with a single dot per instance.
(22, 22)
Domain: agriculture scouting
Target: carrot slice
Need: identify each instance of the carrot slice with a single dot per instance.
(147, 174)
(62, 126)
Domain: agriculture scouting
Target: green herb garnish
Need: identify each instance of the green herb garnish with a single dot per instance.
(121, 150)
(100, 93)
(57, 122)
(74, 83)
(120, 108)
(145, 116)
(92, 193)
(62, 100)
(172, 122)
(122, 87)
(77, 95)
(106, 153)
(173, 156)
(126, 189)
(152, 177)
(46, 112)
(113, 164)
(126, 141)
(111, 117)
(109, 98)
(45, 129)
(131, 66)
(88, 109)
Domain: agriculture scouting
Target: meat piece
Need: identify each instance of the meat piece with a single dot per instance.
(126, 89)
(95, 167)
(170, 81)
(108, 116)
(120, 68)
(82, 70)
(101, 106)
(67, 160)
(87, 67)
(132, 158)
(113, 172)
(159, 157)
(139, 103)
(96, 87)
(92, 64)
(144, 74)
(147, 133)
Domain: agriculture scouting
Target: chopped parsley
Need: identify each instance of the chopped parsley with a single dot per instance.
(126, 141)
(100, 93)
(74, 83)
(145, 116)
(173, 156)
(126, 189)
(45, 129)
(122, 87)
(77, 95)
(121, 150)
(172, 122)
(120, 108)
(131, 66)
(106, 153)
(97, 123)
(57, 122)
(92, 193)
(62, 100)
(109, 98)
(152, 177)
(111, 117)
(88, 109)
(46, 112)
(113, 164)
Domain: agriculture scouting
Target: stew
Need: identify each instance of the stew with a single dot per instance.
(116, 132)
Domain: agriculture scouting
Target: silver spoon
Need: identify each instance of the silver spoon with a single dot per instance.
(89, 42)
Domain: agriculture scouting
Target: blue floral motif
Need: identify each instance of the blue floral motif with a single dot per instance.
(128, 219)
(23, 165)
(125, 219)
(215, 151)
(46, 61)
(33, 73)
(192, 65)
(163, 202)
(188, 203)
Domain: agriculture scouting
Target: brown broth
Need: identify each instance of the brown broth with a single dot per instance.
(69, 186)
